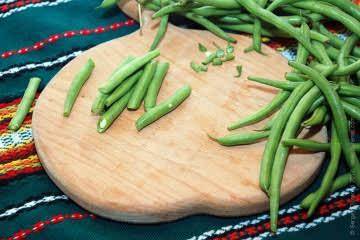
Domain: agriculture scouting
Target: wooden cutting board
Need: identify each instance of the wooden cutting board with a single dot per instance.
(170, 169)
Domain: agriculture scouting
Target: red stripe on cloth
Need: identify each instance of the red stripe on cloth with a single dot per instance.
(68, 34)
(293, 219)
(20, 3)
(41, 225)
(17, 153)
(14, 173)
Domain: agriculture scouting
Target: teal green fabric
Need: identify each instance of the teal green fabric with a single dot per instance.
(28, 26)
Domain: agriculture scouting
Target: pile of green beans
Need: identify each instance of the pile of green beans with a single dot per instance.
(135, 81)
(318, 91)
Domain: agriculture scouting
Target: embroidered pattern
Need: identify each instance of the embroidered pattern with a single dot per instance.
(68, 34)
(17, 6)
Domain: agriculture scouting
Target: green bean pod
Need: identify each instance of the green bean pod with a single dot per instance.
(161, 32)
(80, 78)
(25, 104)
(310, 145)
(155, 85)
(121, 74)
(124, 88)
(240, 138)
(295, 77)
(328, 179)
(351, 110)
(340, 182)
(107, 119)
(276, 132)
(209, 11)
(142, 86)
(338, 115)
(163, 108)
(349, 90)
(288, 86)
(282, 152)
(353, 101)
(264, 112)
(99, 102)
(316, 118)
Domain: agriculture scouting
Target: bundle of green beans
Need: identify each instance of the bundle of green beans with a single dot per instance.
(135, 81)
(318, 91)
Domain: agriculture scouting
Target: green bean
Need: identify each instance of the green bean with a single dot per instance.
(231, 20)
(244, 17)
(328, 179)
(273, 32)
(270, 123)
(294, 20)
(282, 152)
(121, 74)
(240, 138)
(351, 110)
(99, 103)
(107, 119)
(276, 132)
(171, 8)
(332, 52)
(296, 11)
(80, 78)
(325, 59)
(264, 112)
(347, 70)
(161, 32)
(317, 103)
(25, 104)
(210, 26)
(239, 71)
(256, 43)
(107, 3)
(142, 86)
(209, 11)
(271, 18)
(295, 77)
(353, 101)
(155, 85)
(289, 86)
(316, 118)
(339, 117)
(332, 12)
(152, 7)
(302, 54)
(124, 88)
(349, 90)
(309, 145)
(346, 6)
(344, 53)
(163, 108)
(340, 182)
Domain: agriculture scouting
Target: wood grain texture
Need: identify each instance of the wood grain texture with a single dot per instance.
(170, 169)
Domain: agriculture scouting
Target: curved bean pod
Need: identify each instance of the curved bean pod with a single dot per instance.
(240, 138)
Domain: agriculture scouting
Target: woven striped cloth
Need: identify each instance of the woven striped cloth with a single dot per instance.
(38, 37)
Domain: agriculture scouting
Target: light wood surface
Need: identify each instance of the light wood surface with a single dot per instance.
(170, 169)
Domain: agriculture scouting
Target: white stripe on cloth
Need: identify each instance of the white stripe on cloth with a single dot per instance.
(47, 64)
(32, 5)
(32, 204)
(315, 222)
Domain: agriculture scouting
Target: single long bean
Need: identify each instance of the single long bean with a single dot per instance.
(155, 85)
(339, 117)
(301, 53)
(282, 152)
(295, 77)
(310, 145)
(142, 86)
(163, 108)
(210, 26)
(240, 138)
(264, 112)
(80, 78)
(350, 90)
(256, 44)
(25, 104)
(289, 86)
(344, 53)
(276, 132)
(209, 11)
(340, 182)
(120, 75)
(351, 110)
(328, 179)
(107, 119)
(161, 32)
(351, 100)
